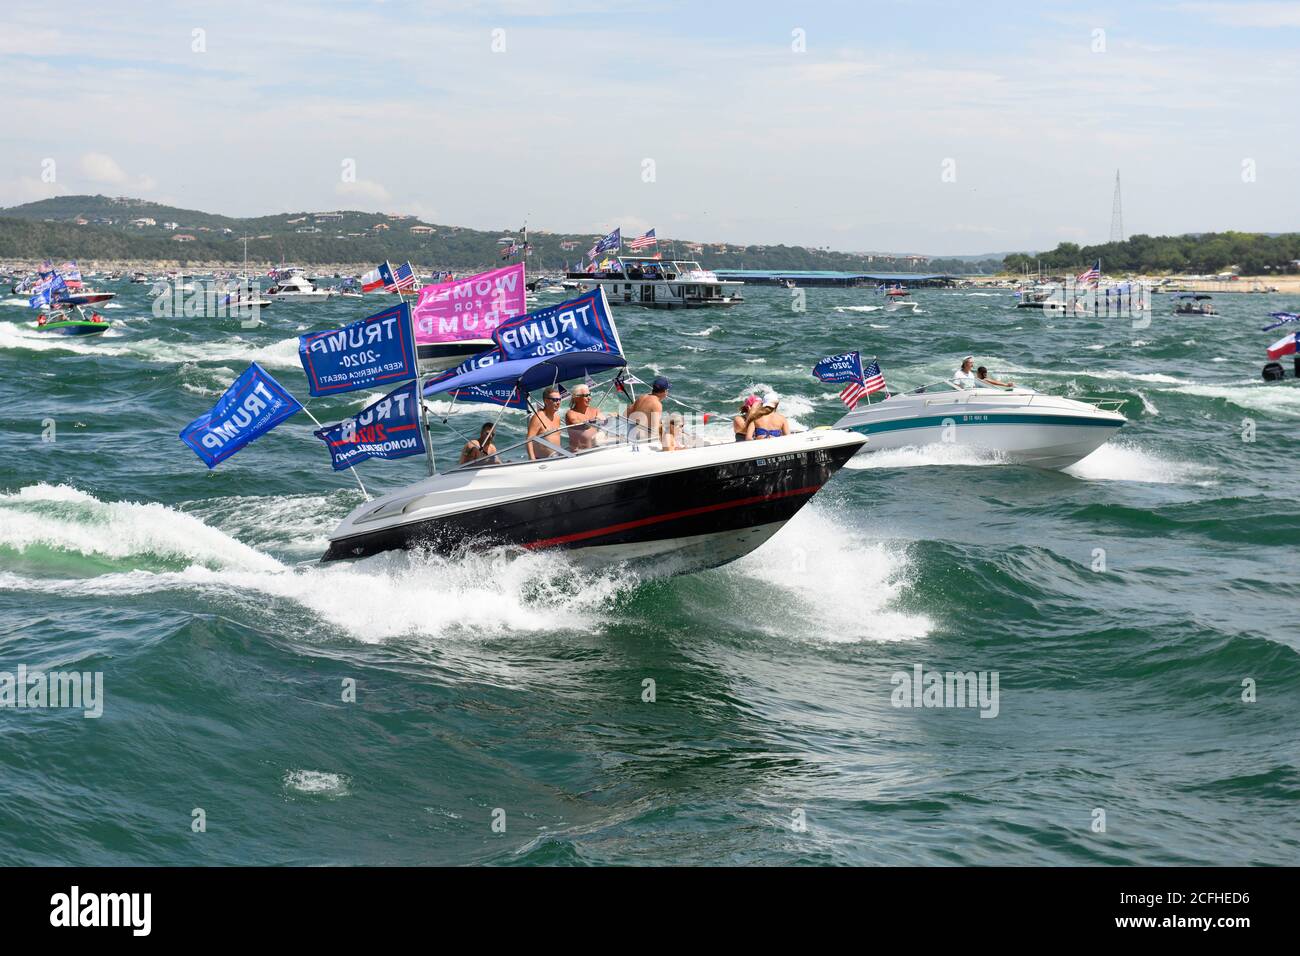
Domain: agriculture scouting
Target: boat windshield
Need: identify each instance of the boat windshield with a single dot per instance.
(602, 434)
(948, 385)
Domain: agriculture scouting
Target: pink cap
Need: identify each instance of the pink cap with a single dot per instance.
(751, 401)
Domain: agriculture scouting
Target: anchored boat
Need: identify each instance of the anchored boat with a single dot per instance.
(661, 284)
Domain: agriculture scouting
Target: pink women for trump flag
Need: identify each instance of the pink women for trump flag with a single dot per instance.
(469, 308)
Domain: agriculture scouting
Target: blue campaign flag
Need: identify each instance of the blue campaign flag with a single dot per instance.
(253, 405)
(584, 324)
(494, 393)
(610, 243)
(379, 350)
(835, 369)
(1282, 319)
(49, 290)
(388, 428)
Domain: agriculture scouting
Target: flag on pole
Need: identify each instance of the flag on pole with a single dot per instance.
(1091, 276)
(404, 277)
(643, 242)
(372, 280)
(611, 243)
(1282, 319)
(1284, 346)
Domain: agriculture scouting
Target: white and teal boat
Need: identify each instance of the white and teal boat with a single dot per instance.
(1016, 424)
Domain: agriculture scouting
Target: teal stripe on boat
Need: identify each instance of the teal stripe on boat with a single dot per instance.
(937, 421)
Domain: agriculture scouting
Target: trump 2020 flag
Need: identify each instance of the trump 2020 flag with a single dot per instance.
(836, 369)
(584, 324)
(610, 243)
(388, 428)
(253, 405)
(377, 351)
(495, 393)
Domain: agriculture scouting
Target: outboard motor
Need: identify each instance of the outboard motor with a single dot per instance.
(1273, 372)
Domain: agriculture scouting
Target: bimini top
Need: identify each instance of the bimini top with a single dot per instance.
(531, 373)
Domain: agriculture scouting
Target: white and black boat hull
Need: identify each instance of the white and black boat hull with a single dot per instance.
(691, 509)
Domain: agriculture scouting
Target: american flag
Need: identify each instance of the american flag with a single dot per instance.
(404, 276)
(872, 381)
(1090, 277)
(643, 242)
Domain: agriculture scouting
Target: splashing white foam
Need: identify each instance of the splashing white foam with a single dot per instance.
(858, 308)
(707, 332)
(917, 456)
(17, 335)
(1117, 461)
(67, 519)
(1275, 399)
(390, 595)
(820, 580)
(316, 782)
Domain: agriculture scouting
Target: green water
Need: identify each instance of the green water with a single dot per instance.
(511, 688)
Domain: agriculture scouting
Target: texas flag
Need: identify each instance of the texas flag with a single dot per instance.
(1284, 346)
(374, 279)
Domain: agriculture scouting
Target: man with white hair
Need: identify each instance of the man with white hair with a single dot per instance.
(965, 378)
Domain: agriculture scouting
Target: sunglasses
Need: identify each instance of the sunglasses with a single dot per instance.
(552, 398)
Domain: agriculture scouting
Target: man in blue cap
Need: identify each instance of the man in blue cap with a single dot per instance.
(646, 413)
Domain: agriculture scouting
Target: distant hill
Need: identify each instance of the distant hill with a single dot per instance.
(103, 227)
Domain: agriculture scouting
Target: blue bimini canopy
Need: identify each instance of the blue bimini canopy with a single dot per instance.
(532, 373)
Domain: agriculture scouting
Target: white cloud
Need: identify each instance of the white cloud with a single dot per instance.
(363, 190)
(103, 170)
(1266, 15)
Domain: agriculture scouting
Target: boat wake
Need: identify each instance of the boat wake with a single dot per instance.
(15, 335)
(917, 456)
(1274, 399)
(69, 544)
(821, 580)
(1119, 461)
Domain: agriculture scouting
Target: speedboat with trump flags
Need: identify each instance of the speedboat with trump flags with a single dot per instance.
(455, 319)
(603, 489)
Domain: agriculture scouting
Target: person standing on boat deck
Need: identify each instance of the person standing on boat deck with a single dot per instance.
(582, 435)
(740, 423)
(983, 375)
(545, 419)
(481, 448)
(646, 413)
(965, 378)
(768, 423)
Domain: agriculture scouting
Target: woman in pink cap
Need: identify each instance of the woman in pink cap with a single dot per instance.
(740, 424)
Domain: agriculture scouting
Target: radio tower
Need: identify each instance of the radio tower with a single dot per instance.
(1116, 215)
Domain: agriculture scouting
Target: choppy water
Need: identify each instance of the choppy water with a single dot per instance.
(516, 684)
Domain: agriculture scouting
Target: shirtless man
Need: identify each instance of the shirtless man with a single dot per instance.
(646, 413)
(545, 419)
(581, 435)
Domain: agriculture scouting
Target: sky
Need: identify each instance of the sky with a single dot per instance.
(924, 126)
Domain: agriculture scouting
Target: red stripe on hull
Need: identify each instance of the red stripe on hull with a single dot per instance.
(671, 516)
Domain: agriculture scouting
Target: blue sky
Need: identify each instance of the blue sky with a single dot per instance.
(845, 143)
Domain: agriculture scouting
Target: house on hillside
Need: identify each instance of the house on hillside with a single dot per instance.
(422, 230)
(171, 226)
(182, 237)
(143, 222)
(307, 229)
